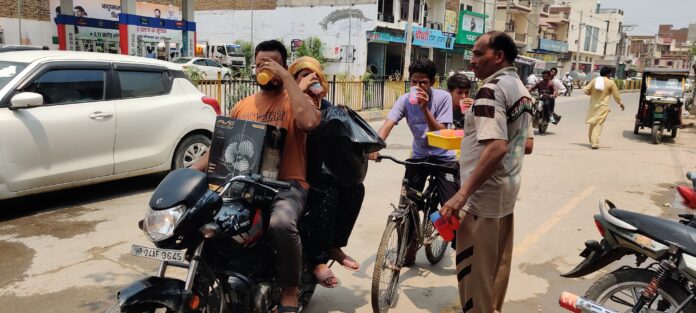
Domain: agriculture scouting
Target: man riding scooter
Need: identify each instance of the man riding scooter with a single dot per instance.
(548, 93)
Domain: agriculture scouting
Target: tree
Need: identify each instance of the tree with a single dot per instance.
(247, 51)
(312, 47)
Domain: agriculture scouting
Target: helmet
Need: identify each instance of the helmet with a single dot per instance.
(241, 225)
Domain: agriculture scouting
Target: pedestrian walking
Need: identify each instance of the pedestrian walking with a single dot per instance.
(498, 135)
(600, 89)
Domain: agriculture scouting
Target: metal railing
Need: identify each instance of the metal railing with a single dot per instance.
(358, 95)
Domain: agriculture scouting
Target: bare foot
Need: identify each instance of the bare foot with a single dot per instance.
(344, 260)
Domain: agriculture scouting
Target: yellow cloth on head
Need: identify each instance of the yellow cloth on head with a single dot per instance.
(313, 65)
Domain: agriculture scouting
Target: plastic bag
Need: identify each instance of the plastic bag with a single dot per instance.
(344, 141)
(343, 121)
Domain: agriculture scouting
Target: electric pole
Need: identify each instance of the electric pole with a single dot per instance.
(577, 53)
(620, 49)
(409, 38)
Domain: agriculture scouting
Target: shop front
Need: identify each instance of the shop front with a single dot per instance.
(385, 48)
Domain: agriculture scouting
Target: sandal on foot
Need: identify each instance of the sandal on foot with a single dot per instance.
(323, 276)
(347, 262)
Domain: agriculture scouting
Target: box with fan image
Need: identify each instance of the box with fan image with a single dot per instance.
(242, 147)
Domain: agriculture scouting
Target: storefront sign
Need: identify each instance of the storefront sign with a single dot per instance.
(377, 36)
(432, 38)
(471, 26)
(553, 45)
(550, 58)
(450, 22)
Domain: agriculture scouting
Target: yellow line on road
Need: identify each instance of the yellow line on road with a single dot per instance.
(540, 231)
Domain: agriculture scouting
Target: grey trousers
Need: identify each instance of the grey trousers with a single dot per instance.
(286, 211)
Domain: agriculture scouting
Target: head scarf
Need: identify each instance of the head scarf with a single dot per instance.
(313, 65)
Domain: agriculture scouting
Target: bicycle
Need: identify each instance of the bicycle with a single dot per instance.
(396, 236)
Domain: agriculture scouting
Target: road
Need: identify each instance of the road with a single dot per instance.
(70, 251)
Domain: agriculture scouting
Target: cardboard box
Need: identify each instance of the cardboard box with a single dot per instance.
(242, 147)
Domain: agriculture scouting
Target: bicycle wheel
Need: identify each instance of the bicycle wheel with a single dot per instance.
(435, 245)
(385, 277)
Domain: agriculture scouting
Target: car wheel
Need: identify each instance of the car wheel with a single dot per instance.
(190, 149)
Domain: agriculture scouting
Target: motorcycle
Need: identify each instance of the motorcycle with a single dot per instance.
(540, 119)
(569, 87)
(218, 237)
(667, 284)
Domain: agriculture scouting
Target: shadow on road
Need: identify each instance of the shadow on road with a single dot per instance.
(644, 136)
(46, 202)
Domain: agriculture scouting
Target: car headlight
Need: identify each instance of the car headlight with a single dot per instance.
(159, 224)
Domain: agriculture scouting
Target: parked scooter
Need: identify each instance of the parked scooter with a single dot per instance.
(667, 284)
(219, 240)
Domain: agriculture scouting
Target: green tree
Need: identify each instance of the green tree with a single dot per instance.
(247, 51)
(312, 47)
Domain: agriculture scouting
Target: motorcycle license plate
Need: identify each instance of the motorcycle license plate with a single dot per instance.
(157, 254)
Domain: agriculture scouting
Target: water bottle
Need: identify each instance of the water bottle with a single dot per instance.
(446, 228)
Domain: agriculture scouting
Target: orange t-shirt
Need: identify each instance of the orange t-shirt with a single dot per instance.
(277, 111)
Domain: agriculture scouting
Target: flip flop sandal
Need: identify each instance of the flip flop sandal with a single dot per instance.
(323, 276)
(347, 259)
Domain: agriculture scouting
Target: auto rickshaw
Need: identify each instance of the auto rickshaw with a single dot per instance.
(661, 102)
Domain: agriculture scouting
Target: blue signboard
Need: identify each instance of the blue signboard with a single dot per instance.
(432, 38)
(385, 37)
(553, 45)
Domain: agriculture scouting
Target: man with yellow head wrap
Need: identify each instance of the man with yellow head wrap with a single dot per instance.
(333, 206)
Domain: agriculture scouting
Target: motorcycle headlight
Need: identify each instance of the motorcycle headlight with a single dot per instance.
(159, 225)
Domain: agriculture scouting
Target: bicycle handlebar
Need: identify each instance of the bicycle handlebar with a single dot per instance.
(426, 164)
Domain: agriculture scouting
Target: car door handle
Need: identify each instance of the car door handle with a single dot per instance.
(100, 115)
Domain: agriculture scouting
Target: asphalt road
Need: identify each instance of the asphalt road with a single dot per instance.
(70, 251)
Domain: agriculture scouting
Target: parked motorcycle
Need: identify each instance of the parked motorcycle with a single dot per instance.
(218, 239)
(667, 284)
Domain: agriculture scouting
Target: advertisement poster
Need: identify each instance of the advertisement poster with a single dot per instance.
(450, 22)
(99, 19)
(471, 26)
(431, 38)
(95, 19)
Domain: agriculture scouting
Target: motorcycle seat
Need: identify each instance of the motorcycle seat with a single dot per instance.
(665, 231)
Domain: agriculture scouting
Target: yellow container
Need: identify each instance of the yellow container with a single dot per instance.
(447, 143)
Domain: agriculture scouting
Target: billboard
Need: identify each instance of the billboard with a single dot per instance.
(100, 19)
(471, 26)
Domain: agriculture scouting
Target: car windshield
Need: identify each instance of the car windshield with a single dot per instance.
(233, 50)
(8, 70)
(665, 87)
(181, 60)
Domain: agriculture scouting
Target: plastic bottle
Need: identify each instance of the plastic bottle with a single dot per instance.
(577, 304)
(264, 77)
(446, 228)
(316, 88)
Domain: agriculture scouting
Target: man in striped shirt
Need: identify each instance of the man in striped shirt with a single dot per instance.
(498, 135)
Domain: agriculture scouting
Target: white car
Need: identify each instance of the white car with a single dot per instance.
(75, 118)
(208, 68)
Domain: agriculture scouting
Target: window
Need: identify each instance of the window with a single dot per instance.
(70, 86)
(212, 63)
(135, 84)
(200, 62)
(182, 60)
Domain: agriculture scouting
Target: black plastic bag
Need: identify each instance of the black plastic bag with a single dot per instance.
(345, 140)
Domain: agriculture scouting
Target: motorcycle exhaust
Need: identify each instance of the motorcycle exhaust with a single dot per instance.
(578, 304)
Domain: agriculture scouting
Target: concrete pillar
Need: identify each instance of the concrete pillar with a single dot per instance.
(189, 35)
(128, 39)
(66, 27)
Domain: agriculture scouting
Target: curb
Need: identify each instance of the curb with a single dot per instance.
(374, 115)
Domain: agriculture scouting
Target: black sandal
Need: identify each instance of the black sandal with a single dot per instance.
(287, 309)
